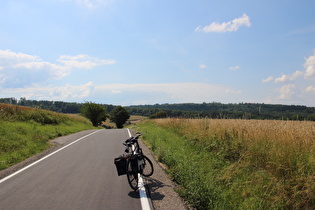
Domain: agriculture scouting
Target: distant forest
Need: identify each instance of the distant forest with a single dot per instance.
(188, 110)
(56, 106)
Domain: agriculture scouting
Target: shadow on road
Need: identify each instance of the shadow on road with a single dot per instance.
(154, 185)
(134, 194)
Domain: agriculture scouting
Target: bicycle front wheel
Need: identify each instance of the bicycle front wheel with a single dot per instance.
(132, 176)
(147, 169)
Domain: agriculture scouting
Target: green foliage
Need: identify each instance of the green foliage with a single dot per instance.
(56, 106)
(119, 116)
(95, 112)
(26, 131)
(189, 165)
(217, 110)
(214, 110)
(161, 114)
(219, 172)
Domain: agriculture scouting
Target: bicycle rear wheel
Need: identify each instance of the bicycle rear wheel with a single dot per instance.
(147, 167)
(132, 176)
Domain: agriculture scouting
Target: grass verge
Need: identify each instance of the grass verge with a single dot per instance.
(228, 164)
(25, 131)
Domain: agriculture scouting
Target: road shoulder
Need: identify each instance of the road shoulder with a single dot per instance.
(161, 187)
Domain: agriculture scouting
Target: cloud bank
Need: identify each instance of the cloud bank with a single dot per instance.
(298, 84)
(129, 94)
(29, 76)
(22, 70)
(229, 26)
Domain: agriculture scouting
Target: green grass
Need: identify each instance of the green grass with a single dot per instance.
(196, 171)
(25, 131)
(216, 169)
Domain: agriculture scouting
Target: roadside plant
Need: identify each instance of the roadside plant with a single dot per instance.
(119, 116)
(94, 112)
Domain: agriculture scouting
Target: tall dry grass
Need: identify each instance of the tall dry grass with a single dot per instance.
(269, 158)
(262, 141)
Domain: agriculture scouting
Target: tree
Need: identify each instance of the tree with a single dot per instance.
(161, 114)
(119, 116)
(94, 112)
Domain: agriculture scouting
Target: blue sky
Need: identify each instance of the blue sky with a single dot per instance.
(125, 52)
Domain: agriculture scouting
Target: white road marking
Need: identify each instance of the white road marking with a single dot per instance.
(23, 169)
(142, 191)
(143, 194)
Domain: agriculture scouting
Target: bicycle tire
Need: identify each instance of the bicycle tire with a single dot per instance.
(132, 176)
(147, 169)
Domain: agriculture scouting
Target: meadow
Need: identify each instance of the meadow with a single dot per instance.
(26, 131)
(237, 164)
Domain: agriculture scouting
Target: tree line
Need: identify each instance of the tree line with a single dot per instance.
(213, 110)
(97, 113)
(218, 110)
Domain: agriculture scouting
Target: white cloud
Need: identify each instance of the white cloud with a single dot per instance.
(309, 72)
(309, 66)
(287, 91)
(292, 77)
(8, 55)
(116, 91)
(283, 78)
(298, 87)
(310, 89)
(233, 25)
(233, 68)
(127, 94)
(67, 92)
(268, 79)
(164, 93)
(82, 61)
(233, 91)
(21, 70)
(202, 66)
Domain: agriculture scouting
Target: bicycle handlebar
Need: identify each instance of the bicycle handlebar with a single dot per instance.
(132, 140)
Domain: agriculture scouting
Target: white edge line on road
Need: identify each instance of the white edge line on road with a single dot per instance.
(142, 191)
(23, 169)
(143, 194)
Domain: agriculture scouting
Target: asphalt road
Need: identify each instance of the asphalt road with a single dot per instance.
(81, 176)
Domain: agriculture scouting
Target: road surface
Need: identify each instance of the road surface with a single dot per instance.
(80, 176)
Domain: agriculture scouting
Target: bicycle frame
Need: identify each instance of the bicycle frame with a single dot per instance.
(135, 152)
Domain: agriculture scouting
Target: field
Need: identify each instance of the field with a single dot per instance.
(26, 131)
(134, 119)
(237, 164)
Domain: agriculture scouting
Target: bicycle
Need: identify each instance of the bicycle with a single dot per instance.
(133, 163)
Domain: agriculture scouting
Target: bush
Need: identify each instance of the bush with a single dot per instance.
(119, 116)
(95, 112)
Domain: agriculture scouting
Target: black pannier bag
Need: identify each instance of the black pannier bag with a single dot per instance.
(134, 163)
(121, 165)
